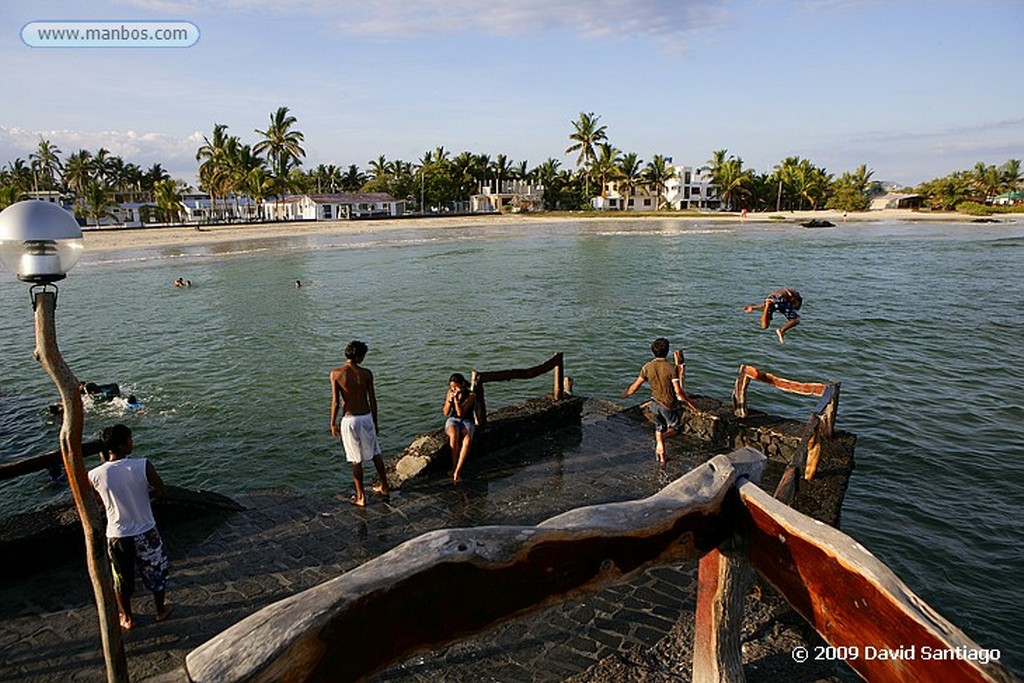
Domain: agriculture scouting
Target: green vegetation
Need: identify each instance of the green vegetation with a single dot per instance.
(439, 181)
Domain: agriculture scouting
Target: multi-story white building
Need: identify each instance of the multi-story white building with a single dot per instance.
(687, 188)
(690, 189)
(513, 195)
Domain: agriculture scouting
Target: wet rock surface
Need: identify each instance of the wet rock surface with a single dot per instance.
(282, 543)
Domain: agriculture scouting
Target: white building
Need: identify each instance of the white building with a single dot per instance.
(332, 207)
(198, 207)
(687, 188)
(514, 195)
(690, 189)
(616, 198)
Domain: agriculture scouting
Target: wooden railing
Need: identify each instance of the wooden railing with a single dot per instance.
(820, 425)
(402, 601)
(556, 364)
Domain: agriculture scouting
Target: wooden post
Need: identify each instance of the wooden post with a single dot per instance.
(559, 372)
(724, 577)
(480, 404)
(48, 355)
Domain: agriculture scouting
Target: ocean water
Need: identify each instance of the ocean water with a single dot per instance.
(922, 323)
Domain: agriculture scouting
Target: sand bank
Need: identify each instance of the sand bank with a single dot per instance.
(114, 239)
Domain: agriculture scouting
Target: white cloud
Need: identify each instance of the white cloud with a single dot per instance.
(175, 154)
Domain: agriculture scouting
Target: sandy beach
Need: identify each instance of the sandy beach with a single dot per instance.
(114, 239)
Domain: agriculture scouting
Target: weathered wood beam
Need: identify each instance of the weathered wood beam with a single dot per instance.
(46, 461)
(856, 602)
(524, 373)
(451, 583)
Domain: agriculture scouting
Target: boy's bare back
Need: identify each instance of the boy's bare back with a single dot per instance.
(353, 385)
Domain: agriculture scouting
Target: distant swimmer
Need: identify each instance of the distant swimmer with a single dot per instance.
(298, 284)
(182, 282)
(785, 301)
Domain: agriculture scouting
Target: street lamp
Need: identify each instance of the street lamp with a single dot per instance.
(39, 243)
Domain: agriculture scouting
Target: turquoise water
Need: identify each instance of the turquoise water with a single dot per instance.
(923, 324)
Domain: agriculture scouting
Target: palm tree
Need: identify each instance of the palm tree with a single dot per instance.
(217, 164)
(657, 173)
(630, 175)
(281, 144)
(501, 169)
(380, 167)
(606, 166)
(78, 172)
(258, 185)
(95, 202)
(586, 134)
(168, 199)
(46, 162)
(352, 179)
(1012, 176)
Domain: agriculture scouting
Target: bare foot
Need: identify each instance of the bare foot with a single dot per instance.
(779, 334)
(382, 490)
(126, 623)
(357, 501)
(162, 615)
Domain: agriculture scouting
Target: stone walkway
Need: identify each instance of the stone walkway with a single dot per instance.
(224, 569)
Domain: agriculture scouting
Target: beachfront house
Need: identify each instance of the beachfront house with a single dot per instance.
(1009, 199)
(895, 200)
(689, 188)
(515, 196)
(333, 207)
(199, 207)
(618, 197)
(686, 188)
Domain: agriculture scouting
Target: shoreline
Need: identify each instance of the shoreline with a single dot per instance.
(99, 240)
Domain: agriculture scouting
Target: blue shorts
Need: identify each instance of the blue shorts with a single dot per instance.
(461, 424)
(664, 418)
(783, 306)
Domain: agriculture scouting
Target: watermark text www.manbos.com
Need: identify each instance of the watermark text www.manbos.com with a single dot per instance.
(906, 653)
(110, 34)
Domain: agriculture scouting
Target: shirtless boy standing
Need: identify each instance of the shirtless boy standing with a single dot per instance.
(352, 391)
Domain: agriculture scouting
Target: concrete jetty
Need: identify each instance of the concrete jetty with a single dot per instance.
(226, 568)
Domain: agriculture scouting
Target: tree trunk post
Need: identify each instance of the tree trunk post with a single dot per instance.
(48, 355)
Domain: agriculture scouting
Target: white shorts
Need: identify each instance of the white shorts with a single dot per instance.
(359, 438)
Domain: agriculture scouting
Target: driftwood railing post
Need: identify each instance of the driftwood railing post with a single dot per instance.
(724, 577)
(559, 371)
(556, 364)
(480, 404)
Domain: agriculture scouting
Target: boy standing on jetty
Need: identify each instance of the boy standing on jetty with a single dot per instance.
(123, 487)
(352, 391)
(666, 393)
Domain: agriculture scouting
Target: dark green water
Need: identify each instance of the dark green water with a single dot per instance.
(922, 324)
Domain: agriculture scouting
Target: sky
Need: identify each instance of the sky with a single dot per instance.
(913, 89)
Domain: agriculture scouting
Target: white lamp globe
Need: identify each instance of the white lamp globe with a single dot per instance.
(39, 241)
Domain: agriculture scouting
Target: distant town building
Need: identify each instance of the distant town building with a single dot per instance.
(1009, 199)
(515, 196)
(618, 197)
(333, 207)
(689, 188)
(894, 200)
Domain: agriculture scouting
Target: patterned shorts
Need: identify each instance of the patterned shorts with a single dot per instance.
(783, 306)
(146, 549)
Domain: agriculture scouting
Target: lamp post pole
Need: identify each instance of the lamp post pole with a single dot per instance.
(39, 242)
(45, 302)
